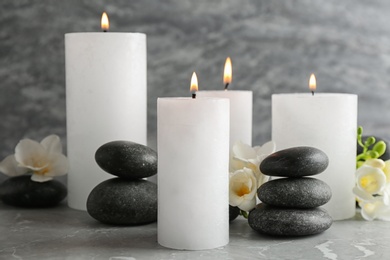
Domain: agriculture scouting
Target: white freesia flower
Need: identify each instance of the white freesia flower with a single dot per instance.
(373, 189)
(244, 155)
(242, 189)
(45, 160)
(376, 209)
(370, 179)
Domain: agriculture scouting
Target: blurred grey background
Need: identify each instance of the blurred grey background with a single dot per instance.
(274, 46)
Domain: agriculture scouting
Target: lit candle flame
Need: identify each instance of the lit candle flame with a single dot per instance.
(105, 23)
(194, 84)
(312, 83)
(227, 73)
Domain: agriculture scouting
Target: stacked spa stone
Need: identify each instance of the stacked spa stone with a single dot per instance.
(290, 205)
(127, 199)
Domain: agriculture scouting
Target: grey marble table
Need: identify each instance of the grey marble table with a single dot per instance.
(63, 233)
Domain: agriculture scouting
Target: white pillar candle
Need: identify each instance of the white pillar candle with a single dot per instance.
(193, 151)
(241, 107)
(327, 122)
(105, 100)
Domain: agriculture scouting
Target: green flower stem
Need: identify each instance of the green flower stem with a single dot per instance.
(377, 150)
(244, 214)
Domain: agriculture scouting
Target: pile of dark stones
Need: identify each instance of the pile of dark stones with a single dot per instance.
(291, 205)
(127, 199)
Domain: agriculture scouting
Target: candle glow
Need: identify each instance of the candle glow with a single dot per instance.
(194, 84)
(105, 23)
(312, 83)
(227, 74)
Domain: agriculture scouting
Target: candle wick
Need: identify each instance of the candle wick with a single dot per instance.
(226, 86)
(193, 95)
(104, 30)
(312, 92)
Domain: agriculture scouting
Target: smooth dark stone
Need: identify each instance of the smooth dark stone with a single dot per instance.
(288, 222)
(123, 202)
(21, 191)
(295, 192)
(233, 212)
(126, 159)
(385, 156)
(295, 162)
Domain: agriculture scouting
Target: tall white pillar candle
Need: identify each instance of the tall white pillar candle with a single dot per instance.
(241, 107)
(105, 101)
(327, 122)
(193, 150)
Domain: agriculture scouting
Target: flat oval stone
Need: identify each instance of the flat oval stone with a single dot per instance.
(295, 192)
(233, 212)
(295, 162)
(126, 159)
(123, 202)
(21, 191)
(288, 222)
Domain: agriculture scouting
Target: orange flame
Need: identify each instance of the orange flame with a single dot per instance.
(312, 83)
(194, 83)
(227, 73)
(105, 23)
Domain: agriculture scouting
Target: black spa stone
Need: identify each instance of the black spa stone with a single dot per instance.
(233, 212)
(276, 221)
(119, 201)
(21, 191)
(295, 192)
(295, 162)
(126, 159)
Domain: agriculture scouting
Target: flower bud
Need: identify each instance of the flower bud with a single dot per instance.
(380, 148)
(369, 141)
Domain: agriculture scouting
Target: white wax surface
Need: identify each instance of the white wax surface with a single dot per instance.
(241, 109)
(105, 101)
(327, 122)
(193, 173)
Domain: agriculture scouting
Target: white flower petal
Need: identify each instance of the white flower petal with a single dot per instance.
(248, 205)
(364, 196)
(52, 144)
(58, 165)
(243, 151)
(386, 170)
(40, 178)
(30, 154)
(370, 179)
(9, 166)
(242, 189)
(368, 211)
(266, 149)
(377, 163)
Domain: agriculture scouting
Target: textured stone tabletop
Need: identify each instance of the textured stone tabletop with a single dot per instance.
(63, 233)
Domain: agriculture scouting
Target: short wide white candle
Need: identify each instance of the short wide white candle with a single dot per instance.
(241, 108)
(105, 101)
(193, 160)
(327, 122)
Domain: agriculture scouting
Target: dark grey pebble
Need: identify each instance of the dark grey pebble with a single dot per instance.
(233, 212)
(385, 156)
(295, 162)
(123, 202)
(126, 159)
(288, 222)
(295, 192)
(21, 191)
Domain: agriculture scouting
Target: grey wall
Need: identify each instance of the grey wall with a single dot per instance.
(274, 45)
